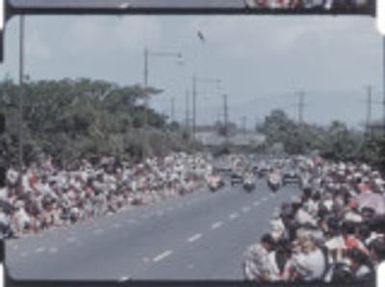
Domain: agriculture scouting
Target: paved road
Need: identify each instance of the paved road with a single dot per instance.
(199, 236)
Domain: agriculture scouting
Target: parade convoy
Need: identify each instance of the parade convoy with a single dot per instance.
(245, 171)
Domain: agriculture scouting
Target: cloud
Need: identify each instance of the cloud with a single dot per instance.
(280, 35)
(102, 35)
(37, 48)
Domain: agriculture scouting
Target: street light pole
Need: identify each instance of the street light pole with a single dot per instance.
(21, 93)
(187, 102)
(146, 96)
(194, 105)
(172, 110)
(383, 84)
(147, 54)
(225, 118)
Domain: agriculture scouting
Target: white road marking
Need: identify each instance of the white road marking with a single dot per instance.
(264, 199)
(116, 225)
(98, 231)
(160, 213)
(194, 237)
(256, 203)
(162, 256)
(71, 239)
(233, 215)
(124, 278)
(217, 225)
(53, 250)
(246, 209)
(40, 249)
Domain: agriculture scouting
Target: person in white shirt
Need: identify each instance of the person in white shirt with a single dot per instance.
(257, 266)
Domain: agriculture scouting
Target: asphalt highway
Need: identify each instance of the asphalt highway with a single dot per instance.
(200, 236)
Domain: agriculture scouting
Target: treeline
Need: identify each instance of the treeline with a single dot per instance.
(70, 119)
(336, 142)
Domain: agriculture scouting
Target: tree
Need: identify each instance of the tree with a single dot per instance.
(75, 118)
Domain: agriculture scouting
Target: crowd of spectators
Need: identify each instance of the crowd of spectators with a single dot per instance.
(333, 232)
(53, 194)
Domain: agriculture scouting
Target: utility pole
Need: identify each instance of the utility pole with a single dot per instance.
(244, 124)
(226, 117)
(194, 107)
(172, 111)
(146, 98)
(383, 84)
(21, 94)
(187, 112)
(301, 107)
(368, 110)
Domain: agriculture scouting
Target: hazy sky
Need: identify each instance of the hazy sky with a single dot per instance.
(262, 61)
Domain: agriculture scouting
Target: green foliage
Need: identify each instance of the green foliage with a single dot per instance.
(82, 118)
(336, 142)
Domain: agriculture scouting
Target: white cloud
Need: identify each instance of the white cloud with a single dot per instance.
(279, 35)
(36, 47)
(101, 35)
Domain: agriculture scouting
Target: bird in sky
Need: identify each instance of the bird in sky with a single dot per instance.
(201, 37)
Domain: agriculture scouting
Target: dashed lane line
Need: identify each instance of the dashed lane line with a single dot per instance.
(233, 215)
(256, 203)
(194, 237)
(216, 225)
(245, 209)
(117, 225)
(162, 256)
(40, 249)
(53, 250)
(160, 213)
(98, 231)
(124, 278)
(71, 239)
